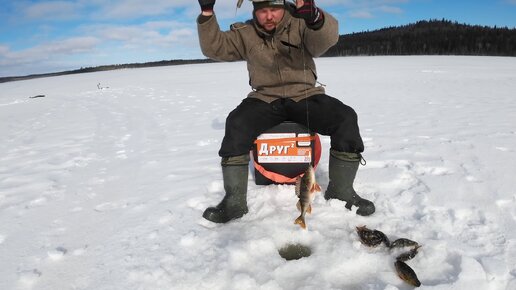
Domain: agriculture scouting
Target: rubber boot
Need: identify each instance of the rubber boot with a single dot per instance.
(342, 171)
(234, 204)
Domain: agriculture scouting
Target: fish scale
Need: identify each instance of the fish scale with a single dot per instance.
(372, 238)
(402, 242)
(406, 273)
(306, 187)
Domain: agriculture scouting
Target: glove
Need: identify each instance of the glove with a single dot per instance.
(207, 5)
(310, 13)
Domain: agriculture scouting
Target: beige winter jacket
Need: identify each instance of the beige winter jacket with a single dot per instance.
(280, 65)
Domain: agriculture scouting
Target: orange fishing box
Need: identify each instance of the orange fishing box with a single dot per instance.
(283, 152)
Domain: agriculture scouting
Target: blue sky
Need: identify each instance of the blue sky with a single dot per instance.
(46, 36)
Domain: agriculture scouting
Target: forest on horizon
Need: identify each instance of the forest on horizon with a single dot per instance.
(433, 37)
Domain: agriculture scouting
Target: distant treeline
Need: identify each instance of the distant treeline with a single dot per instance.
(434, 37)
(109, 67)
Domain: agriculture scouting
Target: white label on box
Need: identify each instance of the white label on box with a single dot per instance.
(276, 136)
(304, 143)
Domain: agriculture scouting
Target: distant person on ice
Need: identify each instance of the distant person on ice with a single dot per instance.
(279, 45)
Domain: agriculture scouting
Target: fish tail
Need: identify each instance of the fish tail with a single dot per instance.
(301, 221)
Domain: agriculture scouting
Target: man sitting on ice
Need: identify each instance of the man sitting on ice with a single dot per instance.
(279, 45)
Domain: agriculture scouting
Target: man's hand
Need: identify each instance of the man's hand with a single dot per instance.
(207, 6)
(307, 10)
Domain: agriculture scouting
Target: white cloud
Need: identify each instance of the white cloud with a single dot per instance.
(139, 8)
(362, 14)
(3, 50)
(71, 45)
(129, 9)
(390, 9)
(51, 50)
(52, 10)
(133, 9)
(153, 33)
(98, 9)
(180, 35)
(355, 3)
(370, 9)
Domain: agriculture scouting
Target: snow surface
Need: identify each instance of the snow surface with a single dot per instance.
(105, 188)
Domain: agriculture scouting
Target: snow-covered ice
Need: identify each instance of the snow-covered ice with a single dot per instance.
(104, 180)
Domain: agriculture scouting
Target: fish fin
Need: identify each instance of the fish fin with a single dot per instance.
(298, 205)
(309, 209)
(316, 187)
(361, 229)
(301, 222)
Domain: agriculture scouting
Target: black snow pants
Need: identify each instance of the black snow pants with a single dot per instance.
(327, 116)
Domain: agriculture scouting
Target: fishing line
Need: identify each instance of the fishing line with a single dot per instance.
(305, 79)
(306, 91)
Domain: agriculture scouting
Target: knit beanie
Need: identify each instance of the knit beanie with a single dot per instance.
(271, 3)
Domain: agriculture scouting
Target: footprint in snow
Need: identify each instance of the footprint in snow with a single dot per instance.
(197, 203)
(434, 170)
(189, 240)
(122, 204)
(57, 253)
(29, 277)
(504, 204)
(166, 219)
(80, 251)
(107, 206)
(503, 149)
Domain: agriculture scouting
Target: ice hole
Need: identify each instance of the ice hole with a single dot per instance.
(294, 252)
